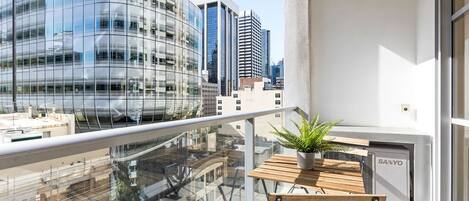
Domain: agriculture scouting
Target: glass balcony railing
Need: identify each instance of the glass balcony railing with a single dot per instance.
(195, 159)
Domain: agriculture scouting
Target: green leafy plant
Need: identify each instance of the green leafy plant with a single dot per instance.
(310, 138)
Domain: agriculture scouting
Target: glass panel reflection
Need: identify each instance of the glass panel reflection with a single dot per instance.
(91, 58)
(193, 165)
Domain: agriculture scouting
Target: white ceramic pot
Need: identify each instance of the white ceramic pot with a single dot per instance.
(305, 160)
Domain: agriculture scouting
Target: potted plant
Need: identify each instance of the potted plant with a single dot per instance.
(309, 140)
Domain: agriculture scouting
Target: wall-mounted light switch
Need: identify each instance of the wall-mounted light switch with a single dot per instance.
(405, 108)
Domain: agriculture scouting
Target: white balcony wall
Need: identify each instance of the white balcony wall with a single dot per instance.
(361, 61)
(367, 59)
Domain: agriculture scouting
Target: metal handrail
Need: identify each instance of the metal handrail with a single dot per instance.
(27, 152)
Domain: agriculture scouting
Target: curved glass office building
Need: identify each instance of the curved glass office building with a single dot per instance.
(113, 63)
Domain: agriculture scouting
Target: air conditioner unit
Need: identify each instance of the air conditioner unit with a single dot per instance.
(386, 170)
(389, 172)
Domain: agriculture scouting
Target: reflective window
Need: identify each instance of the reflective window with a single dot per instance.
(68, 20)
(135, 51)
(102, 50)
(118, 17)
(211, 43)
(88, 14)
(88, 50)
(49, 26)
(78, 20)
(460, 68)
(111, 63)
(118, 49)
(102, 17)
(78, 51)
(460, 91)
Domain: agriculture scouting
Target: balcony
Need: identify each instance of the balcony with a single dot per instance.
(393, 70)
(193, 159)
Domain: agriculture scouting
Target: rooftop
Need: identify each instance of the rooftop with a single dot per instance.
(24, 120)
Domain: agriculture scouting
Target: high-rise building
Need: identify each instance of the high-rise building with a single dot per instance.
(266, 53)
(278, 74)
(111, 64)
(220, 43)
(250, 45)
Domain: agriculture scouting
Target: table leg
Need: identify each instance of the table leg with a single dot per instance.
(323, 192)
(306, 190)
(292, 189)
(265, 189)
(276, 185)
(222, 193)
(234, 182)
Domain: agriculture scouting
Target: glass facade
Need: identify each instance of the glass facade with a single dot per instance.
(113, 63)
(277, 71)
(211, 43)
(221, 46)
(266, 53)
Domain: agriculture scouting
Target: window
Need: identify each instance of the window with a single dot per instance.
(277, 102)
(88, 51)
(238, 102)
(88, 14)
(219, 108)
(238, 127)
(78, 20)
(238, 108)
(219, 172)
(235, 95)
(458, 137)
(102, 17)
(277, 95)
(46, 134)
(219, 101)
(277, 115)
(219, 113)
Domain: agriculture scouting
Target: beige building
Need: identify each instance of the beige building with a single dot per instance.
(252, 96)
(22, 126)
(209, 96)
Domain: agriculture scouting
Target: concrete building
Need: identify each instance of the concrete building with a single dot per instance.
(252, 96)
(209, 96)
(266, 53)
(17, 127)
(248, 83)
(279, 83)
(250, 45)
(220, 43)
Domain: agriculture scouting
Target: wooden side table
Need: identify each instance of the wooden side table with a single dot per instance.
(328, 174)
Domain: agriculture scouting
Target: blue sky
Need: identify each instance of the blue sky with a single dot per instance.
(271, 14)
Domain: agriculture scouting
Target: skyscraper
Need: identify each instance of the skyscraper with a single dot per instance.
(278, 73)
(266, 53)
(220, 43)
(111, 64)
(250, 45)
